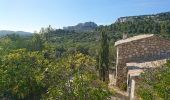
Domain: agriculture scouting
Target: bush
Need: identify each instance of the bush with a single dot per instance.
(155, 83)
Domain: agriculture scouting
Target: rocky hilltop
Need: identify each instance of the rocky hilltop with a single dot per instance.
(82, 27)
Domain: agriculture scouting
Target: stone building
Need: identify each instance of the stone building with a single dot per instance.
(135, 54)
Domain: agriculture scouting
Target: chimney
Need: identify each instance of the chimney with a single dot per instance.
(125, 35)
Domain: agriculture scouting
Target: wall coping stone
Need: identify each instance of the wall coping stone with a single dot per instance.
(133, 38)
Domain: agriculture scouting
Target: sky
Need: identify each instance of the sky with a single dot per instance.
(31, 15)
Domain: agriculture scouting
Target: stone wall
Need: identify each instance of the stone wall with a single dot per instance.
(146, 49)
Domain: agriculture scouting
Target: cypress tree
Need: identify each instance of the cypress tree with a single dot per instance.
(104, 58)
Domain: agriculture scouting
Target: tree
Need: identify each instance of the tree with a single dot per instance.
(104, 58)
(37, 42)
(47, 33)
(26, 75)
(12, 42)
(22, 75)
(13, 37)
(74, 78)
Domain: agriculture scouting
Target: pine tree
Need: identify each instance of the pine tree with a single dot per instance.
(104, 58)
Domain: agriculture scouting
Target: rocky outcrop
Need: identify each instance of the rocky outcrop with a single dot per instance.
(82, 27)
(156, 17)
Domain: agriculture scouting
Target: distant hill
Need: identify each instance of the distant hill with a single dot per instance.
(156, 17)
(21, 33)
(89, 32)
(82, 27)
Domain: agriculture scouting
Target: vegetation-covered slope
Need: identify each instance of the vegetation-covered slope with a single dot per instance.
(21, 33)
(155, 24)
(62, 63)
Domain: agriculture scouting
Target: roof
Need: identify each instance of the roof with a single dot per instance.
(138, 37)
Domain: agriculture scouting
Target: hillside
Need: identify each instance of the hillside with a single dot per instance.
(76, 51)
(156, 17)
(89, 31)
(81, 35)
(21, 33)
(143, 24)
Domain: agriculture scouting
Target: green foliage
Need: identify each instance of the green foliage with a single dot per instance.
(146, 24)
(145, 94)
(104, 58)
(22, 75)
(112, 56)
(26, 75)
(57, 71)
(47, 33)
(12, 42)
(74, 78)
(155, 84)
(37, 42)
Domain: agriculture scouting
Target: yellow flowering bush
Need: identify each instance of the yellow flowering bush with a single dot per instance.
(73, 78)
(26, 75)
(22, 75)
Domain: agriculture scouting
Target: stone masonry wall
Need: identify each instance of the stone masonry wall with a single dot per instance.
(146, 49)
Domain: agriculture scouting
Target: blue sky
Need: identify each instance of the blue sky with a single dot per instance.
(31, 15)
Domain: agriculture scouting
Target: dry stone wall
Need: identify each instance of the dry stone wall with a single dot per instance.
(146, 49)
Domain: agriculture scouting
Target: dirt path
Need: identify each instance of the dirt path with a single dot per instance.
(120, 95)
